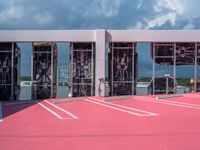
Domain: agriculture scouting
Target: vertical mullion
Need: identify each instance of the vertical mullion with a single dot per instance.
(112, 67)
(32, 82)
(52, 70)
(12, 73)
(133, 68)
(195, 69)
(174, 71)
(72, 68)
(153, 68)
(58, 75)
(92, 69)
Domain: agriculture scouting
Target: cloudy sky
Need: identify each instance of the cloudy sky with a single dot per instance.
(107, 14)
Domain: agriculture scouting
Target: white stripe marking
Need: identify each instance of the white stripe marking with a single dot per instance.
(182, 103)
(54, 113)
(113, 107)
(65, 111)
(130, 108)
(164, 102)
(1, 112)
(122, 110)
(192, 96)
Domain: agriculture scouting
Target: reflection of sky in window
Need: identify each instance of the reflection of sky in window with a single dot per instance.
(144, 61)
(26, 52)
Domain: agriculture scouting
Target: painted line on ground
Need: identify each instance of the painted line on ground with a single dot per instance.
(189, 104)
(181, 103)
(192, 96)
(165, 102)
(51, 111)
(115, 108)
(64, 110)
(126, 107)
(1, 112)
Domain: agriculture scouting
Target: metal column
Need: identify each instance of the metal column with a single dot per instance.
(195, 69)
(112, 68)
(174, 69)
(92, 66)
(12, 73)
(153, 68)
(52, 70)
(133, 71)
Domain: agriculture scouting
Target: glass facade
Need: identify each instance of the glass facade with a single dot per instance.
(122, 68)
(44, 70)
(83, 69)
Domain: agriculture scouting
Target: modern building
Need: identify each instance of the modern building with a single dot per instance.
(88, 58)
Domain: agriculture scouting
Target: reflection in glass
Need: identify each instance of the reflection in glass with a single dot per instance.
(9, 77)
(163, 85)
(164, 53)
(82, 71)
(43, 63)
(122, 68)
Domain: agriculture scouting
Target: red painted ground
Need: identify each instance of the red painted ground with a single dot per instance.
(110, 127)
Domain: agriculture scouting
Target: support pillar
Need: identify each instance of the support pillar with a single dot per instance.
(174, 68)
(153, 69)
(195, 69)
(100, 63)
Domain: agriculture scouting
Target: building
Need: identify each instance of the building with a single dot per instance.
(88, 60)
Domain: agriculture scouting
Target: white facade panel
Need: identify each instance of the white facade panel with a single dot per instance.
(47, 35)
(100, 65)
(153, 35)
(90, 36)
